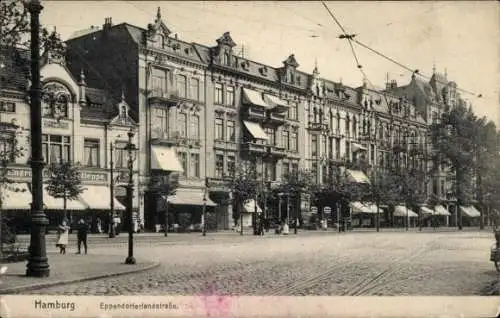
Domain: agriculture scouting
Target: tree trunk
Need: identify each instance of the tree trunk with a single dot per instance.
(378, 216)
(458, 176)
(166, 216)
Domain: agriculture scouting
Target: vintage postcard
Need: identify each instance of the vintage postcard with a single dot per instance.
(249, 159)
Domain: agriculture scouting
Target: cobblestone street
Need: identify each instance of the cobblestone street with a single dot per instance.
(448, 264)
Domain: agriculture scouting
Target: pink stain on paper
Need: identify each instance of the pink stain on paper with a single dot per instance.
(216, 305)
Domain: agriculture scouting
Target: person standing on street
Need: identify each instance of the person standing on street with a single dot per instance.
(63, 235)
(83, 229)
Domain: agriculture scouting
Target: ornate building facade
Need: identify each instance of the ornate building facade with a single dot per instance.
(79, 123)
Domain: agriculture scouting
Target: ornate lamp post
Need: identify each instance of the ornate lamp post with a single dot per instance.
(38, 265)
(130, 193)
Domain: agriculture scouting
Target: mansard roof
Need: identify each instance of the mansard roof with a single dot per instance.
(14, 68)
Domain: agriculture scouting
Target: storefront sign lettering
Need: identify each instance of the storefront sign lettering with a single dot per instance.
(51, 123)
(86, 176)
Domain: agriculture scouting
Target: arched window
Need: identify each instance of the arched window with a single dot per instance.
(123, 111)
(347, 125)
(226, 59)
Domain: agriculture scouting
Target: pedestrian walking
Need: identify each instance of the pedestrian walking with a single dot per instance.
(63, 236)
(83, 229)
(99, 225)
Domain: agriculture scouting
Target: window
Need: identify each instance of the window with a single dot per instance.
(372, 153)
(195, 127)
(181, 85)
(219, 166)
(121, 155)
(314, 170)
(195, 89)
(271, 134)
(160, 119)
(159, 82)
(194, 165)
(354, 127)
(7, 147)
(231, 165)
(332, 122)
(314, 145)
(324, 143)
(56, 148)
(231, 131)
(443, 189)
(285, 142)
(295, 167)
(293, 110)
(294, 142)
(8, 107)
(337, 148)
(218, 99)
(330, 148)
(324, 172)
(338, 121)
(270, 173)
(347, 149)
(91, 152)
(285, 169)
(230, 95)
(183, 160)
(347, 126)
(435, 187)
(219, 129)
(182, 125)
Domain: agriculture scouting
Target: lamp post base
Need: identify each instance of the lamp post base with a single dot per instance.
(38, 267)
(130, 260)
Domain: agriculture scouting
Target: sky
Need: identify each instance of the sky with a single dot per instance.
(460, 38)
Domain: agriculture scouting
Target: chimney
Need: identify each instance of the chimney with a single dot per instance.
(107, 24)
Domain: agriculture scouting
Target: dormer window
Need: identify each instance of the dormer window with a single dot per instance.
(158, 40)
(61, 106)
(226, 59)
(123, 111)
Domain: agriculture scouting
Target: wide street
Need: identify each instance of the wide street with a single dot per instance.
(385, 263)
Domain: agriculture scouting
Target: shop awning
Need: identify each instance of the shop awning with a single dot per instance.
(400, 210)
(373, 208)
(51, 203)
(426, 210)
(16, 196)
(165, 158)
(256, 130)
(357, 147)
(254, 98)
(98, 198)
(190, 197)
(276, 102)
(250, 205)
(470, 211)
(358, 207)
(440, 210)
(357, 176)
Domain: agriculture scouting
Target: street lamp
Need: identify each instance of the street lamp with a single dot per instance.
(112, 190)
(130, 193)
(38, 265)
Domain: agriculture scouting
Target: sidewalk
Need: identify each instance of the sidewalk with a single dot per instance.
(69, 268)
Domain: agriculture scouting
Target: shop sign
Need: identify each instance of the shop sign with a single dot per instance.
(54, 123)
(93, 176)
(86, 176)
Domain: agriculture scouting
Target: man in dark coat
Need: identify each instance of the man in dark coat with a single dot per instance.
(83, 229)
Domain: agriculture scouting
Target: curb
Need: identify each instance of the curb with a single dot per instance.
(19, 289)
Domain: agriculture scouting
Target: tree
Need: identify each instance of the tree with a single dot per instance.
(9, 151)
(384, 190)
(164, 185)
(64, 182)
(244, 187)
(15, 27)
(453, 142)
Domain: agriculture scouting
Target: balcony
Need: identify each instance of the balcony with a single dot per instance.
(218, 184)
(317, 127)
(255, 114)
(173, 139)
(254, 148)
(160, 97)
(276, 118)
(225, 145)
(276, 151)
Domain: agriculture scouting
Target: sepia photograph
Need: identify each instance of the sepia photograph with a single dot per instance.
(249, 158)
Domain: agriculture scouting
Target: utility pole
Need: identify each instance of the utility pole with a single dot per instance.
(38, 265)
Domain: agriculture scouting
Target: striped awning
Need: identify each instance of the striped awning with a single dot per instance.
(358, 207)
(16, 196)
(440, 210)
(254, 98)
(256, 130)
(276, 102)
(400, 210)
(357, 176)
(426, 210)
(470, 211)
